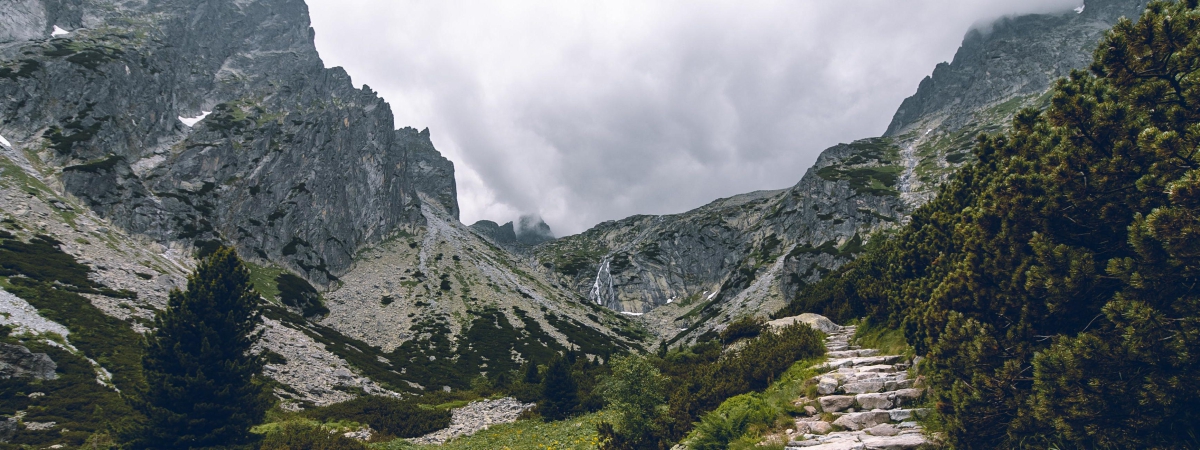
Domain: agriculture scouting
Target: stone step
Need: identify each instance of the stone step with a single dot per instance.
(860, 441)
(852, 353)
(878, 385)
(838, 363)
(870, 401)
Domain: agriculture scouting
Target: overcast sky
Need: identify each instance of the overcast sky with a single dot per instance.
(585, 111)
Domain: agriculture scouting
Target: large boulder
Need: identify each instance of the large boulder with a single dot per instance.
(817, 321)
(16, 361)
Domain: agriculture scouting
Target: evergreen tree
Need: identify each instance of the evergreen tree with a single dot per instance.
(203, 390)
(531, 373)
(560, 393)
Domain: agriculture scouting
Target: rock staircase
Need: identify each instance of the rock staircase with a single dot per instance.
(866, 401)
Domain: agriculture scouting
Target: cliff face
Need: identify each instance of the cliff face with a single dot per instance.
(137, 135)
(1012, 57)
(690, 273)
(291, 163)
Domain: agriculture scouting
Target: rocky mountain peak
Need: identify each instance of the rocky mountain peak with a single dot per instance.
(214, 122)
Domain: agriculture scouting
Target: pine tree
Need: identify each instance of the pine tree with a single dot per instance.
(560, 393)
(203, 387)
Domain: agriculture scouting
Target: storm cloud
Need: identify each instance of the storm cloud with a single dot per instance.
(585, 111)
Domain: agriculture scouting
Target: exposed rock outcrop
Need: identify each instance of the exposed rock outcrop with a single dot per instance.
(475, 417)
(16, 361)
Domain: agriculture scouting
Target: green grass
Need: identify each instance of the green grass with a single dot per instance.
(575, 433)
(889, 341)
(263, 279)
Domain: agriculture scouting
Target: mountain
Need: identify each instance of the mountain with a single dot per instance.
(530, 230)
(691, 273)
(139, 136)
(136, 137)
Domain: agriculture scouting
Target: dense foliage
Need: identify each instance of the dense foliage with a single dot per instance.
(743, 328)
(298, 435)
(560, 391)
(203, 384)
(701, 377)
(296, 292)
(388, 417)
(635, 393)
(1052, 283)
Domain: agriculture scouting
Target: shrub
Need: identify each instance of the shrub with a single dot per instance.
(299, 435)
(388, 417)
(297, 293)
(743, 328)
(731, 421)
(636, 392)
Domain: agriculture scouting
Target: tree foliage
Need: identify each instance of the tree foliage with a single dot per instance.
(1052, 283)
(560, 392)
(203, 386)
(635, 392)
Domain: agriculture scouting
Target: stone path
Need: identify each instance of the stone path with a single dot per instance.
(867, 397)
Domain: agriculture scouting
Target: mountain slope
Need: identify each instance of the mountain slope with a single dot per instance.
(292, 163)
(690, 273)
(144, 135)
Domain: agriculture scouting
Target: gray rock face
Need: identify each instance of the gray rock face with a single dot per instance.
(1013, 57)
(529, 231)
(16, 361)
(293, 164)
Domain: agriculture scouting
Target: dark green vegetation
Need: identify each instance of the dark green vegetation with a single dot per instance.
(203, 385)
(703, 376)
(388, 417)
(560, 391)
(743, 328)
(41, 261)
(296, 292)
(298, 435)
(870, 171)
(50, 280)
(1052, 282)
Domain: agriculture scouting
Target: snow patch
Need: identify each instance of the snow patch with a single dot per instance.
(714, 294)
(59, 31)
(670, 300)
(631, 313)
(4, 142)
(1079, 10)
(191, 121)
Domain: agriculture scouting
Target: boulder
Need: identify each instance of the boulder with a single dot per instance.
(16, 361)
(816, 321)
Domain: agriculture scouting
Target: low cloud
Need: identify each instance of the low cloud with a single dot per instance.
(589, 111)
